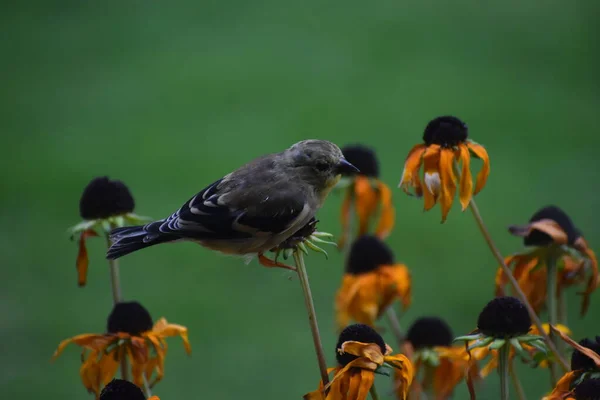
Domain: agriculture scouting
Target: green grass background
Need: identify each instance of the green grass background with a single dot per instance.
(169, 96)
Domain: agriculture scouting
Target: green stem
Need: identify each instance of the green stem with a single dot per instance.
(392, 317)
(312, 316)
(516, 382)
(503, 353)
(147, 389)
(551, 304)
(115, 284)
(373, 392)
(515, 285)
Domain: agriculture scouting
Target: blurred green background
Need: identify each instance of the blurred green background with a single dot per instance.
(169, 96)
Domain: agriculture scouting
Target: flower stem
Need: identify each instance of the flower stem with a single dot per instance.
(551, 304)
(392, 317)
(312, 316)
(115, 283)
(503, 367)
(373, 392)
(515, 284)
(516, 382)
(147, 390)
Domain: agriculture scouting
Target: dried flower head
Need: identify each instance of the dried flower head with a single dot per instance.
(429, 332)
(504, 317)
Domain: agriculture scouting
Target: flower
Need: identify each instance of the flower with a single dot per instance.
(371, 283)
(588, 390)
(130, 334)
(585, 366)
(361, 353)
(119, 389)
(104, 204)
(445, 144)
(550, 233)
(429, 342)
(366, 195)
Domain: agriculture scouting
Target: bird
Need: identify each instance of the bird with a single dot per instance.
(250, 210)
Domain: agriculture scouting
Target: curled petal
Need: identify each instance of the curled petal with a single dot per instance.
(466, 181)
(547, 226)
(410, 175)
(386, 218)
(370, 351)
(584, 350)
(404, 374)
(164, 329)
(83, 261)
(448, 181)
(88, 341)
(395, 283)
(431, 167)
(108, 366)
(366, 199)
(483, 174)
(563, 386)
(359, 298)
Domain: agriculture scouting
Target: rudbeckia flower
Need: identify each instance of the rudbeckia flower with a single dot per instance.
(119, 389)
(372, 281)
(445, 144)
(366, 196)
(551, 232)
(104, 204)
(582, 381)
(361, 353)
(441, 365)
(502, 327)
(131, 335)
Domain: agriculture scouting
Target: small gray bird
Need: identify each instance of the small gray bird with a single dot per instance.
(251, 210)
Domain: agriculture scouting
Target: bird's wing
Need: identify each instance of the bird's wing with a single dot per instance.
(210, 216)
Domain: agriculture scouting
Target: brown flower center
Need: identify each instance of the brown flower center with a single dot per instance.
(118, 389)
(447, 131)
(129, 317)
(103, 198)
(367, 253)
(362, 158)
(504, 317)
(429, 332)
(357, 333)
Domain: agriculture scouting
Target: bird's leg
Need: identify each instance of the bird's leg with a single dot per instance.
(267, 262)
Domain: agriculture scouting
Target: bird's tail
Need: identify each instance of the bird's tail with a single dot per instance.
(133, 238)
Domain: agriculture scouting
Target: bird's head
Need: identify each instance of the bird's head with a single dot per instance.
(318, 162)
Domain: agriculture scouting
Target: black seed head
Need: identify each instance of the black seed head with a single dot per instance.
(537, 238)
(429, 332)
(118, 389)
(367, 253)
(362, 158)
(129, 317)
(103, 198)
(588, 389)
(446, 131)
(357, 333)
(580, 360)
(504, 317)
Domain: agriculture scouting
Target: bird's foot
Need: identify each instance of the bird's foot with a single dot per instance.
(267, 262)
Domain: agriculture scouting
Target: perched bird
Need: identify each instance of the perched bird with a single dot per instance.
(251, 210)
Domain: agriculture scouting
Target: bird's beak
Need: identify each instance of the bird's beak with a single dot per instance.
(345, 168)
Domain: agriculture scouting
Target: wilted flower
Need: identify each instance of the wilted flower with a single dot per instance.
(104, 204)
(446, 144)
(130, 334)
(550, 232)
(361, 353)
(119, 389)
(443, 366)
(366, 195)
(372, 281)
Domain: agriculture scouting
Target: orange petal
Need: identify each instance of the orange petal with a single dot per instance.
(164, 329)
(395, 283)
(410, 175)
(584, 350)
(386, 218)
(89, 373)
(366, 382)
(448, 181)
(403, 376)
(547, 226)
(82, 257)
(431, 167)
(483, 174)
(366, 200)
(370, 351)
(108, 366)
(89, 341)
(358, 299)
(345, 219)
(466, 181)
(563, 386)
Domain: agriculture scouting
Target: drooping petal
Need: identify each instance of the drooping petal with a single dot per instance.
(137, 368)
(83, 261)
(345, 218)
(404, 374)
(563, 386)
(584, 350)
(466, 181)
(89, 341)
(89, 373)
(164, 329)
(358, 298)
(366, 200)
(108, 366)
(410, 175)
(395, 283)
(366, 382)
(547, 226)
(483, 174)
(431, 169)
(387, 213)
(370, 351)
(448, 181)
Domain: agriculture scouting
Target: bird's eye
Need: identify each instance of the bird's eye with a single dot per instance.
(322, 166)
